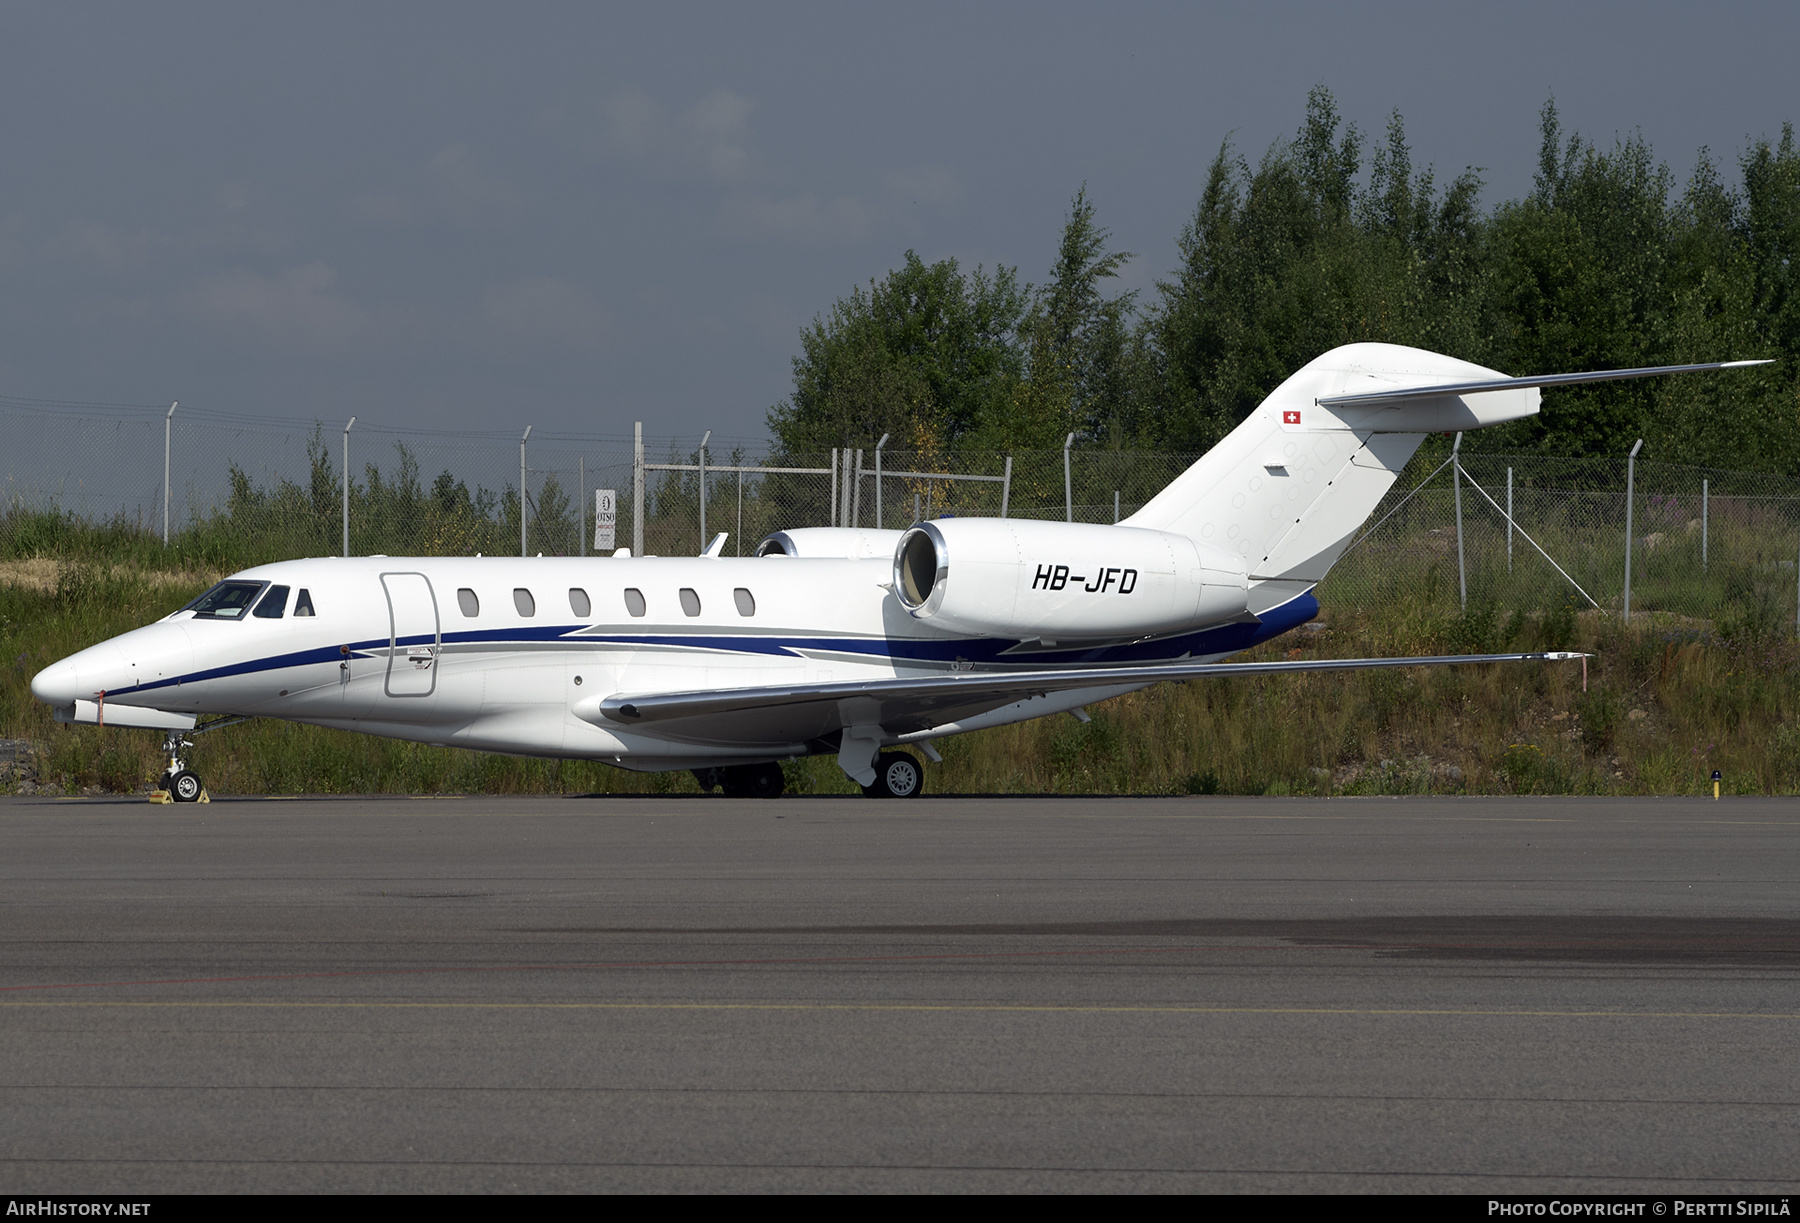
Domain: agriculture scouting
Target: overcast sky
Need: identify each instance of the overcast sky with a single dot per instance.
(575, 216)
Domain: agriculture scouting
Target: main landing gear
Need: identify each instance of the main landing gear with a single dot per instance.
(744, 780)
(897, 775)
(181, 783)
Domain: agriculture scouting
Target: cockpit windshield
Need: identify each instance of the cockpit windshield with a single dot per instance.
(226, 601)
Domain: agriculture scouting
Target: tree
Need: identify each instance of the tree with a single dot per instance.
(1579, 282)
(1080, 360)
(1601, 266)
(552, 518)
(925, 353)
(1288, 260)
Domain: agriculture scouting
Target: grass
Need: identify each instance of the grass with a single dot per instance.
(1669, 700)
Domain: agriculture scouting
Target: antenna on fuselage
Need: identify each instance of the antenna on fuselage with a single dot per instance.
(168, 431)
(522, 442)
(347, 487)
(704, 438)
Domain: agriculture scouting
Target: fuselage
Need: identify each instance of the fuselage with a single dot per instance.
(515, 654)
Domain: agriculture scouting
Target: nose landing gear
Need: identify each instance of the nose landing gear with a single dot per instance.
(179, 782)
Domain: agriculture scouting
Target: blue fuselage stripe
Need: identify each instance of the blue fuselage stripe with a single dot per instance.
(1222, 639)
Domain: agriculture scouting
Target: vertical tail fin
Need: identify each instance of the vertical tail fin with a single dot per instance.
(1289, 488)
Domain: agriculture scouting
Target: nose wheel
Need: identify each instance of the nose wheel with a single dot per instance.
(181, 783)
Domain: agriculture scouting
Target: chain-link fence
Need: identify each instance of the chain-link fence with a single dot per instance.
(240, 490)
(1704, 543)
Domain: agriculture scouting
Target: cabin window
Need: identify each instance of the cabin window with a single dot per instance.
(273, 604)
(746, 602)
(524, 602)
(465, 599)
(303, 603)
(634, 601)
(579, 602)
(226, 601)
(690, 601)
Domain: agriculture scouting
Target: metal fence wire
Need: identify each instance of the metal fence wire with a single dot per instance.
(1702, 540)
(240, 490)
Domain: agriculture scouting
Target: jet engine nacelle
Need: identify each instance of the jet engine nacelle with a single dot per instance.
(1063, 581)
(854, 543)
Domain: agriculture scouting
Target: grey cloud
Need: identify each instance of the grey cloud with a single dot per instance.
(544, 309)
(936, 185)
(803, 218)
(808, 218)
(709, 140)
(381, 208)
(106, 247)
(293, 307)
(467, 191)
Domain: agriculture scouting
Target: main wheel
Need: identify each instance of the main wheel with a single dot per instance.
(184, 787)
(897, 775)
(765, 781)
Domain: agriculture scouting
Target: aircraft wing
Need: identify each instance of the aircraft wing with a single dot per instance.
(799, 713)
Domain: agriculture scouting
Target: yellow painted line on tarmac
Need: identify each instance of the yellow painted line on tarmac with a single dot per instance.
(952, 1008)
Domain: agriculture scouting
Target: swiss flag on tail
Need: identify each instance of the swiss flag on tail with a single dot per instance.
(1290, 418)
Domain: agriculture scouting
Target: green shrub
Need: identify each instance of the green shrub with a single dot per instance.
(1601, 711)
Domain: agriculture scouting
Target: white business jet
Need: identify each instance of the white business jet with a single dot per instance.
(831, 640)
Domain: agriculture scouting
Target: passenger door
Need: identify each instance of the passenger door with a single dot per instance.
(414, 635)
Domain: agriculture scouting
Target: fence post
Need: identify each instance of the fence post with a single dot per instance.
(581, 502)
(878, 446)
(1068, 487)
(1115, 507)
(1509, 519)
(637, 488)
(168, 429)
(740, 517)
(522, 502)
(1703, 507)
(855, 497)
(1006, 487)
(347, 486)
(704, 438)
(834, 485)
(1630, 487)
(1462, 573)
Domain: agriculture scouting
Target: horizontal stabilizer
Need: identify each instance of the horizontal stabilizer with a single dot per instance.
(1403, 394)
(903, 706)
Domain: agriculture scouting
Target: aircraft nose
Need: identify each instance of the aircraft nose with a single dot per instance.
(99, 668)
(58, 684)
(152, 655)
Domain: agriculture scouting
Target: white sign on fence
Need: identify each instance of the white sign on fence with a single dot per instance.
(606, 519)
